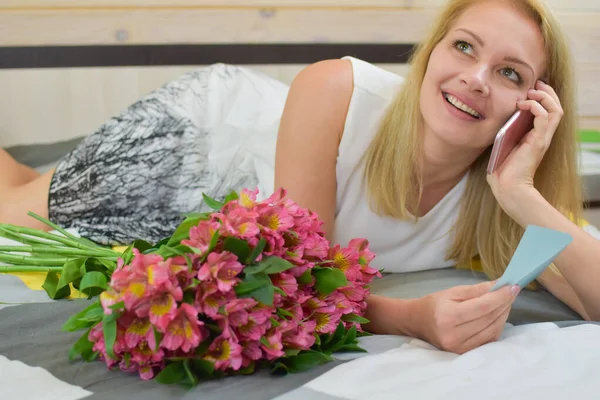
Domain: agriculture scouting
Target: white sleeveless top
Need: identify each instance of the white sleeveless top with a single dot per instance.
(400, 246)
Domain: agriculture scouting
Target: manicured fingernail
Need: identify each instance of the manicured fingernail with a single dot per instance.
(515, 289)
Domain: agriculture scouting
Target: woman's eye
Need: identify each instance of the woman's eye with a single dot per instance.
(463, 46)
(511, 74)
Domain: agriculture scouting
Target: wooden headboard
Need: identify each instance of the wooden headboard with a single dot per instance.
(68, 65)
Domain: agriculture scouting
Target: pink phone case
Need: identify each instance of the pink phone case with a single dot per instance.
(508, 137)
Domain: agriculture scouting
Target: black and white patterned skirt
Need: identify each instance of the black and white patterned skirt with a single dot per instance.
(136, 175)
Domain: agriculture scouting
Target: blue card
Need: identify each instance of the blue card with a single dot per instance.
(536, 251)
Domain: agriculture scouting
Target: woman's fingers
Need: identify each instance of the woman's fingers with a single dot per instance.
(552, 107)
(489, 333)
(485, 304)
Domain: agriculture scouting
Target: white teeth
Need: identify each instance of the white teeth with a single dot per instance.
(461, 106)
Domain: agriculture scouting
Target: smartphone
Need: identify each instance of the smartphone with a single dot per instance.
(508, 137)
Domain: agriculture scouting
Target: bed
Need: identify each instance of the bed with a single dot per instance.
(540, 332)
(34, 351)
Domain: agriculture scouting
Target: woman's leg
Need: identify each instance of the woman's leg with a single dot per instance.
(13, 173)
(22, 190)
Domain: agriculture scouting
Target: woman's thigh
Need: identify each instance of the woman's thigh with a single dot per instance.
(19, 200)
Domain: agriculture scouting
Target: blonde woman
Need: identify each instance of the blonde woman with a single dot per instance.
(400, 161)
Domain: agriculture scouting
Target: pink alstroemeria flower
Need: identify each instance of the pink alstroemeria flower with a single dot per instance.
(185, 331)
(223, 267)
(225, 353)
(201, 235)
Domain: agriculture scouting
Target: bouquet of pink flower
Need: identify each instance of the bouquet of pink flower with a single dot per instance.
(254, 283)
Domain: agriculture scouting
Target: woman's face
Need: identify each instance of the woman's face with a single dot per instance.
(488, 61)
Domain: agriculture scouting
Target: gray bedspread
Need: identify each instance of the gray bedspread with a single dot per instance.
(31, 333)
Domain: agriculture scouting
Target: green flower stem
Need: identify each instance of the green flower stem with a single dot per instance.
(25, 239)
(46, 235)
(28, 268)
(53, 226)
(24, 260)
(59, 250)
(50, 261)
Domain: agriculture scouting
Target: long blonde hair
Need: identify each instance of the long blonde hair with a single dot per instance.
(392, 162)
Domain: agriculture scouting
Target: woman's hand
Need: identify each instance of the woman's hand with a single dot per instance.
(463, 318)
(515, 175)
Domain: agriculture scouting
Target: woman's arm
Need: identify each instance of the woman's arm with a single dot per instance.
(456, 319)
(579, 263)
(513, 187)
(311, 128)
(310, 132)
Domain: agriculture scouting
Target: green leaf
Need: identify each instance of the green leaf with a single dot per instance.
(110, 265)
(173, 373)
(355, 318)
(306, 278)
(141, 245)
(318, 339)
(256, 251)
(238, 247)
(117, 306)
(265, 342)
(329, 279)
(284, 313)
(183, 230)
(291, 352)
(201, 367)
(250, 283)
(80, 320)
(157, 337)
(351, 347)
(167, 252)
(189, 296)
(127, 359)
(264, 294)
(231, 196)
(94, 315)
(269, 265)
(93, 283)
(351, 335)
(127, 254)
(83, 347)
(306, 360)
(338, 335)
(201, 215)
(190, 374)
(274, 322)
(213, 241)
(71, 271)
(258, 286)
(277, 265)
(247, 370)
(202, 348)
(279, 368)
(50, 285)
(212, 203)
(109, 329)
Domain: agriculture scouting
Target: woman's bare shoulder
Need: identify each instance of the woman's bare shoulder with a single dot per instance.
(310, 131)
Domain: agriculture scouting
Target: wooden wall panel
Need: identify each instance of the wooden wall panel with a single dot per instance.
(45, 105)
(555, 4)
(66, 103)
(222, 25)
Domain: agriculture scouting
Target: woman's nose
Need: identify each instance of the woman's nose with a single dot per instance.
(476, 79)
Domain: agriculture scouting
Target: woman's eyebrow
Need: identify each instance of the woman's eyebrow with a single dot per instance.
(508, 58)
